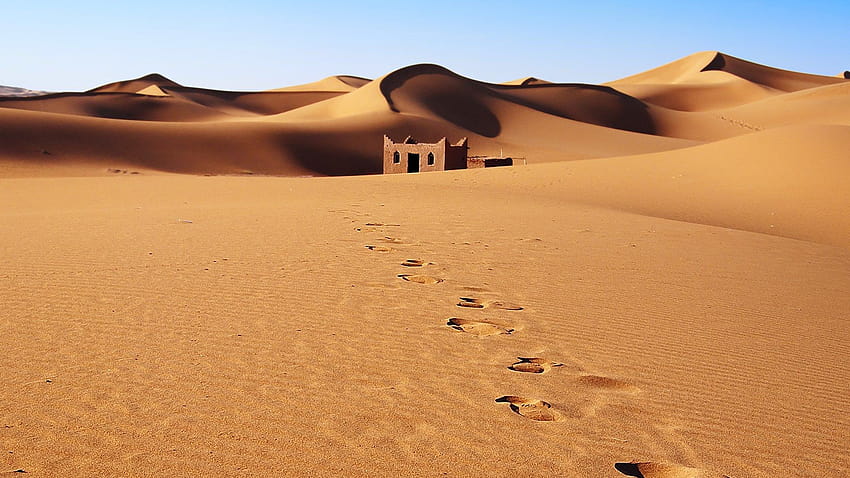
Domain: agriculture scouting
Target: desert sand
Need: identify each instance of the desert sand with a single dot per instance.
(214, 283)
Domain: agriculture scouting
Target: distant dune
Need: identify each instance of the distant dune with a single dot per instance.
(334, 126)
(13, 91)
(339, 84)
(712, 80)
(528, 80)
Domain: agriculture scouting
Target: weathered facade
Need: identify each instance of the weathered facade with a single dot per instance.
(410, 156)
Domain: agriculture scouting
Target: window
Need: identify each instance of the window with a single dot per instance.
(430, 159)
(396, 158)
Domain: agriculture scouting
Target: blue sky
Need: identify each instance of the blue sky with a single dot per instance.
(254, 45)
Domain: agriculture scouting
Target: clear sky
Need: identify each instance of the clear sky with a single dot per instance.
(253, 44)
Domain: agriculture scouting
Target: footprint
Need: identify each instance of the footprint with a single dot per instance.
(479, 328)
(532, 408)
(534, 365)
(380, 248)
(416, 263)
(608, 383)
(663, 470)
(419, 279)
(474, 303)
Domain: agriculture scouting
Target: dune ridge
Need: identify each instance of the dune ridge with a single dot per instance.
(337, 83)
(528, 80)
(712, 80)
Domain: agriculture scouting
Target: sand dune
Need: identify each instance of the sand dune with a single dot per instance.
(828, 104)
(661, 292)
(15, 91)
(742, 183)
(704, 97)
(541, 122)
(307, 129)
(336, 84)
(528, 80)
(712, 80)
(245, 317)
(691, 68)
(531, 121)
(124, 106)
(169, 104)
(134, 85)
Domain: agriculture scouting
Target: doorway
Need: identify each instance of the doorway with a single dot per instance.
(412, 162)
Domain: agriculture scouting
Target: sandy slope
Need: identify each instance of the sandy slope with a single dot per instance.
(676, 267)
(711, 80)
(339, 83)
(792, 182)
(263, 338)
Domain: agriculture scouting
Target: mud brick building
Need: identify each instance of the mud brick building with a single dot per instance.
(410, 156)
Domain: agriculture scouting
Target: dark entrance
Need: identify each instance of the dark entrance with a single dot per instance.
(412, 162)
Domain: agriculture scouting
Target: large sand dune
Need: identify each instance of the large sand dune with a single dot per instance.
(660, 292)
(711, 80)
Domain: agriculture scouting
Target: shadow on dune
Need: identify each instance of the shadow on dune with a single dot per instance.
(594, 104)
(716, 63)
(782, 80)
(343, 155)
(481, 107)
(628, 469)
(114, 105)
(450, 96)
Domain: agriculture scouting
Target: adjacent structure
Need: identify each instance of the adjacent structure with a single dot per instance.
(409, 156)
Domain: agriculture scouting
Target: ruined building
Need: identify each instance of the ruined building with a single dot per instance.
(412, 157)
(409, 156)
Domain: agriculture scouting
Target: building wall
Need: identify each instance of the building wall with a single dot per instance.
(456, 155)
(438, 149)
(446, 156)
(473, 163)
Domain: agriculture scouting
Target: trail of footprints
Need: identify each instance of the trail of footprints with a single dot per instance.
(531, 408)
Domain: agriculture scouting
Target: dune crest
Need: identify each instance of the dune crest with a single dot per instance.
(338, 83)
(528, 80)
(136, 84)
(711, 80)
